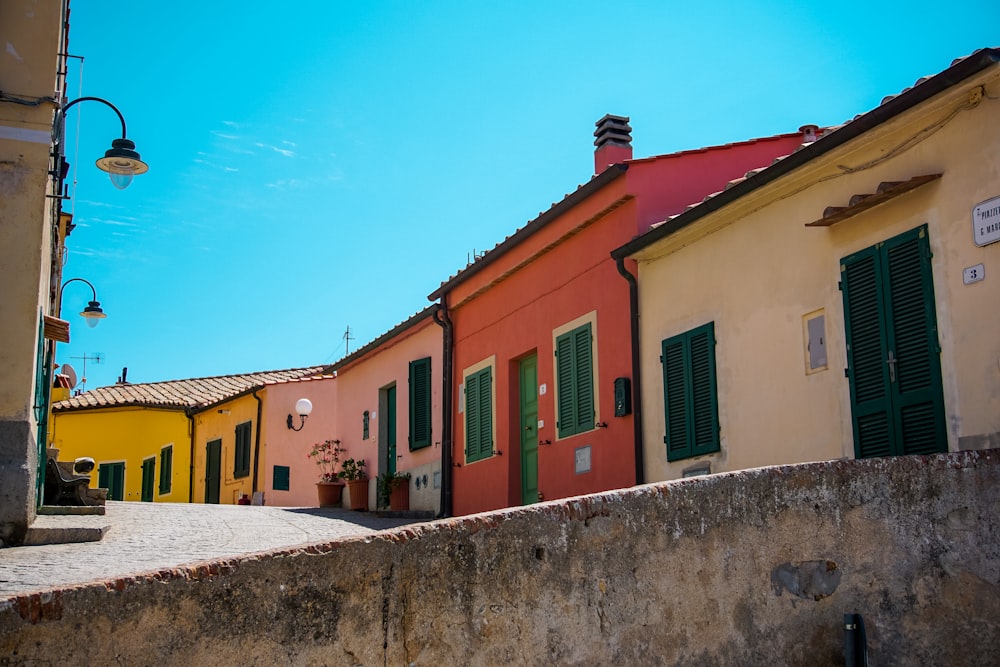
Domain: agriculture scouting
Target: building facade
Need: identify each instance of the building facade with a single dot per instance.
(845, 302)
(540, 336)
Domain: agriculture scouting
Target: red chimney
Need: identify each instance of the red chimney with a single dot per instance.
(613, 142)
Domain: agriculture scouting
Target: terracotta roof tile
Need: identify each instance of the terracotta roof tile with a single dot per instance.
(190, 394)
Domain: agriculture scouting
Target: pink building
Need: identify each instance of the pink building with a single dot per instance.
(389, 407)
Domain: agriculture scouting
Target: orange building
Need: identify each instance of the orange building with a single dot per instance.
(540, 367)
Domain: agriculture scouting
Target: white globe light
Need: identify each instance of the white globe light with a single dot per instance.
(303, 407)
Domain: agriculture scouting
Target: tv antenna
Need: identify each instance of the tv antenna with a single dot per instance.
(95, 357)
(347, 340)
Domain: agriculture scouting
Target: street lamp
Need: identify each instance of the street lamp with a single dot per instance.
(93, 314)
(121, 161)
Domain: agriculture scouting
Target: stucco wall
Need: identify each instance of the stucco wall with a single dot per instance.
(753, 567)
(281, 446)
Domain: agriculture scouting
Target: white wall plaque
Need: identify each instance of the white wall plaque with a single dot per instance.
(986, 222)
(973, 274)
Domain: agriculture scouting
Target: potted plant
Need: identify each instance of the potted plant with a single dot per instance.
(394, 491)
(329, 488)
(353, 471)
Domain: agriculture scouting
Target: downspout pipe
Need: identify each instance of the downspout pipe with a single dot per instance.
(256, 443)
(633, 307)
(444, 321)
(190, 417)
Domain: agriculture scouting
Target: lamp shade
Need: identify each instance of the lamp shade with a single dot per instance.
(122, 162)
(93, 313)
(303, 407)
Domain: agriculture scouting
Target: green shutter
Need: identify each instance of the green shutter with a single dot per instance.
(166, 469)
(148, 475)
(420, 403)
(575, 381)
(282, 478)
(892, 350)
(478, 416)
(690, 393)
(241, 464)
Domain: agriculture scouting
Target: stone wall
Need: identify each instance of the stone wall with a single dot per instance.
(755, 567)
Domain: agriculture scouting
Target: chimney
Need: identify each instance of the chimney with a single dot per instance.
(613, 142)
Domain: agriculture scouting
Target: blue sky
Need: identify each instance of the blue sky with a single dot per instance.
(319, 165)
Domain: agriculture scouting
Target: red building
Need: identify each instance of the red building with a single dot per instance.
(540, 371)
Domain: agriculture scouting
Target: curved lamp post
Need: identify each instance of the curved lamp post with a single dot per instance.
(303, 407)
(121, 161)
(93, 313)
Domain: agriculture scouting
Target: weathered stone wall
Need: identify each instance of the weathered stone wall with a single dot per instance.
(756, 567)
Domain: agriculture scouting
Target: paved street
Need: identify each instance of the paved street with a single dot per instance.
(151, 536)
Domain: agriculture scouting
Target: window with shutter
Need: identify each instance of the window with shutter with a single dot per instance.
(690, 394)
(893, 360)
(575, 381)
(166, 468)
(479, 415)
(420, 403)
(241, 467)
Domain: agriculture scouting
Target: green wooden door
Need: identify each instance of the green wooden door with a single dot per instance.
(213, 471)
(111, 476)
(390, 424)
(893, 353)
(148, 474)
(528, 374)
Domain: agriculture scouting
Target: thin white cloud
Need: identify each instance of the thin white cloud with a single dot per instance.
(223, 135)
(230, 168)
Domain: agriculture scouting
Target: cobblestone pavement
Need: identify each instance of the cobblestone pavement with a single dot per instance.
(151, 536)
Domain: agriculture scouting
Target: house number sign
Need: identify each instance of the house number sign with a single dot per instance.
(986, 222)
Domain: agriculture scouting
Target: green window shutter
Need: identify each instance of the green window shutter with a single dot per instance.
(894, 367)
(282, 477)
(241, 466)
(690, 393)
(166, 469)
(478, 415)
(575, 381)
(365, 425)
(420, 403)
(861, 281)
(103, 476)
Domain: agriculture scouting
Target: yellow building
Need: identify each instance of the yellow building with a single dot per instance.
(841, 302)
(177, 441)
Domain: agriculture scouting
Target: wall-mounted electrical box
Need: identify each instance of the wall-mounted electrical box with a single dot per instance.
(623, 397)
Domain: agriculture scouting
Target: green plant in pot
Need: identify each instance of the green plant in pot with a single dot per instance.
(390, 484)
(326, 455)
(353, 472)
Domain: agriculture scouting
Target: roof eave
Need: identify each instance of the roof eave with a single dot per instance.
(970, 66)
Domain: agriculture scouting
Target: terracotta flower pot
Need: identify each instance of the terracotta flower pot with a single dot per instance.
(399, 497)
(357, 490)
(330, 493)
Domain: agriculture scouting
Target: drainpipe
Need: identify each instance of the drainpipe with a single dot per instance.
(442, 319)
(633, 307)
(256, 443)
(190, 417)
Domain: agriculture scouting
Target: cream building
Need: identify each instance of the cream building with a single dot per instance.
(841, 302)
(32, 33)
